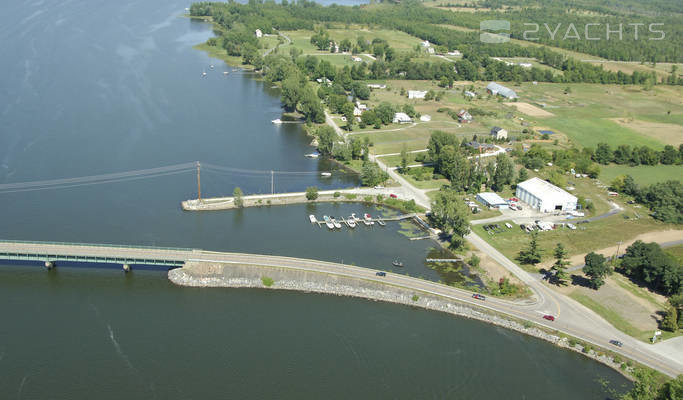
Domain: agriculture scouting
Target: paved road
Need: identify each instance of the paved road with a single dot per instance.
(572, 318)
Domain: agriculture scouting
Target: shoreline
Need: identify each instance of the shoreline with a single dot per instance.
(216, 275)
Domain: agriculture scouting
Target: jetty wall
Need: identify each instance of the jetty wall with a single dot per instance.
(217, 275)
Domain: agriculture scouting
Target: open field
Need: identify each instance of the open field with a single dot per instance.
(588, 237)
(666, 133)
(642, 174)
(529, 109)
(676, 251)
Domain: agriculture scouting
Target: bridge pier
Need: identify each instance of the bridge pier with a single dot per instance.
(126, 268)
(49, 265)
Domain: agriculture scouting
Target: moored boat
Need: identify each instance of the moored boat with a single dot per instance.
(351, 221)
(381, 222)
(328, 222)
(335, 223)
(312, 219)
(276, 121)
(325, 174)
(312, 155)
(397, 263)
(367, 219)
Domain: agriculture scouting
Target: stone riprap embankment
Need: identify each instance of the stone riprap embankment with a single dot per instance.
(211, 274)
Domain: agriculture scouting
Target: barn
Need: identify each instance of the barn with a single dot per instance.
(545, 196)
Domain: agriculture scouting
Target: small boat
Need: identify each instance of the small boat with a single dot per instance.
(381, 222)
(312, 219)
(335, 223)
(225, 72)
(211, 66)
(203, 73)
(325, 174)
(397, 263)
(367, 219)
(313, 155)
(356, 219)
(276, 121)
(351, 222)
(235, 70)
(328, 222)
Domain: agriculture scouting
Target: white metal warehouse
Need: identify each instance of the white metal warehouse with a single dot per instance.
(545, 196)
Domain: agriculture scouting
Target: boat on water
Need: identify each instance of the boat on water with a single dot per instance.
(335, 223)
(397, 263)
(325, 174)
(353, 216)
(276, 121)
(367, 219)
(211, 66)
(328, 222)
(381, 222)
(313, 155)
(225, 72)
(351, 221)
(312, 218)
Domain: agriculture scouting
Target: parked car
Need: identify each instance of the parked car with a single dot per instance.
(549, 317)
(616, 343)
(380, 273)
(393, 196)
(479, 296)
(571, 226)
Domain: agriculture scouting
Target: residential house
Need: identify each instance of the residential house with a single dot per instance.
(464, 117)
(417, 94)
(258, 33)
(499, 133)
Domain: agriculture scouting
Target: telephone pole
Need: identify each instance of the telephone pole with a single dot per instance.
(199, 181)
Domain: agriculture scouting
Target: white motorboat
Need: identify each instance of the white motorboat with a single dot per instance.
(351, 222)
(335, 223)
(312, 218)
(367, 219)
(328, 222)
(276, 121)
(325, 174)
(313, 155)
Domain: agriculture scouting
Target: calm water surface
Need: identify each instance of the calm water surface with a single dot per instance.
(93, 87)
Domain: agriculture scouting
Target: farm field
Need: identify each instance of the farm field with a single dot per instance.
(642, 174)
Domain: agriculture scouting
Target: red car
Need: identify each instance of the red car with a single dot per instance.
(478, 296)
(393, 196)
(549, 317)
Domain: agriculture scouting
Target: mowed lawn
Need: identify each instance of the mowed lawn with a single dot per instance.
(642, 174)
(589, 132)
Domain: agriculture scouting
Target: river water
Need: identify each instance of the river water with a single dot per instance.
(94, 87)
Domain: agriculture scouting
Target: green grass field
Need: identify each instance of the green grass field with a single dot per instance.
(676, 251)
(642, 174)
(588, 237)
(611, 316)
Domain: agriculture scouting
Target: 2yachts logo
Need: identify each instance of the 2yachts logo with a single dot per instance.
(498, 31)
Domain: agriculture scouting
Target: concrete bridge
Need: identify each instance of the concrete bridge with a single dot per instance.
(575, 319)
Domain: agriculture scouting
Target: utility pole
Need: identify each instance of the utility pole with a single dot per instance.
(199, 182)
(272, 182)
(616, 255)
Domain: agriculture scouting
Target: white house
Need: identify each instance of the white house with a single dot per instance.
(361, 106)
(464, 116)
(499, 133)
(402, 118)
(470, 94)
(425, 118)
(525, 65)
(417, 94)
(357, 111)
(356, 59)
(430, 50)
(545, 196)
(453, 53)
(258, 33)
(425, 43)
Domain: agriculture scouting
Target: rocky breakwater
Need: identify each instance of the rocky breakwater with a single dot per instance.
(212, 274)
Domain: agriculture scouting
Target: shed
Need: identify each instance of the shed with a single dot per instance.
(417, 94)
(490, 199)
(545, 196)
